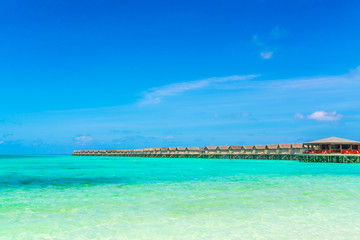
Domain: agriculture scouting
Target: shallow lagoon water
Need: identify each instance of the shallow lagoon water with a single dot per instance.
(65, 197)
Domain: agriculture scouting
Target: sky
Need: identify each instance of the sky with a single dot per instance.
(135, 74)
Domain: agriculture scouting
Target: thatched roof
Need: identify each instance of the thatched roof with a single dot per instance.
(333, 140)
(172, 148)
(163, 149)
(181, 148)
(272, 146)
(223, 147)
(260, 147)
(248, 147)
(193, 148)
(210, 148)
(285, 146)
(297, 145)
(236, 147)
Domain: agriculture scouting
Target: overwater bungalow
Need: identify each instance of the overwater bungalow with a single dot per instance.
(272, 148)
(235, 149)
(210, 150)
(297, 148)
(172, 150)
(248, 149)
(193, 150)
(333, 145)
(119, 151)
(164, 150)
(181, 150)
(151, 150)
(222, 150)
(284, 148)
(259, 149)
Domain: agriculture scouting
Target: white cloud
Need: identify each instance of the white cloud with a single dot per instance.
(266, 55)
(325, 116)
(156, 95)
(81, 140)
(335, 83)
(299, 116)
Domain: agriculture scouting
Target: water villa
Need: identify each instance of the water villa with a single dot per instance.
(210, 150)
(248, 149)
(333, 145)
(324, 150)
(272, 148)
(259, 149)
(235, 149)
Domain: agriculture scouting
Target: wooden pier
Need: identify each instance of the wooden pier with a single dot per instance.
(328, 158)
(215, 156)
(330, 150)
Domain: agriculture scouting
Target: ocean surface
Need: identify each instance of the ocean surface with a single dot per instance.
(65, 197)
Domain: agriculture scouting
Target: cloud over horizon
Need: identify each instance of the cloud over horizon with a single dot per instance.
(156, 95)
(320, 116)
(325, 116)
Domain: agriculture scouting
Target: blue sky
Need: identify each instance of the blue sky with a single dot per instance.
(133, 74)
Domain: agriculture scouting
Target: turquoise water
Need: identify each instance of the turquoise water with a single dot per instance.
(64, 197)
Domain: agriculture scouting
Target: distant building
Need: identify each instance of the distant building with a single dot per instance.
(210, 150)
(332, 145)
(284, 148)
(222, 150)
(272, 149)
(259, 149)
(248, 149)
(235, 149)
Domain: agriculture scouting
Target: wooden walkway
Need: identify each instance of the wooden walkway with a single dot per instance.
(329, 158)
